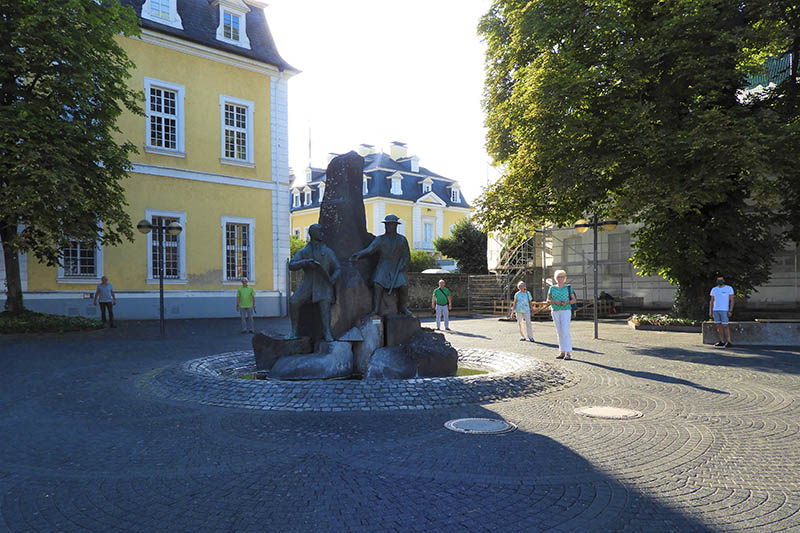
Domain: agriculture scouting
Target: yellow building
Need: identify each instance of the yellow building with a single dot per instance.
(212, 156)
(428, 204)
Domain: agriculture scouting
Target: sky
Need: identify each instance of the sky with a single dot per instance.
(377, 71)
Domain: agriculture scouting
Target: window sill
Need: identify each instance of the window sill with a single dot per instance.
(164, 151)
(151, 281)
(250, 282)
(78, 281)
(236, 162)
(240, 44)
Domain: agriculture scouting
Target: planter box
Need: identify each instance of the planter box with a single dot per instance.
(648, 327)
(756, 333)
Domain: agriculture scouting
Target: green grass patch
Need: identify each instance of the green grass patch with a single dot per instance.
(32, 322)
(663, 320)
(464, 371)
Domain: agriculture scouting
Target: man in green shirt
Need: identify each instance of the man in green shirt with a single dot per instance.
(246, 305)
(442, 302)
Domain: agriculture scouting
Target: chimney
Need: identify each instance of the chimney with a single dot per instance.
(398, 150)
(365, 149)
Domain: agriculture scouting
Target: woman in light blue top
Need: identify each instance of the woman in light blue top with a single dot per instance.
(561, 297)
(521, 307)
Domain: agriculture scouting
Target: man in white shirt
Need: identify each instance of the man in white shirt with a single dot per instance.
(720, 309)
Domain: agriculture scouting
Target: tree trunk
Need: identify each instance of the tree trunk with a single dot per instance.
(13, 281)
(691, 300)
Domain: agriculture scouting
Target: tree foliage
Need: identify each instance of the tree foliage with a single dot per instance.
(63, 78)
(467, 245)
(295, 244)
(421, 260)
(632, 108)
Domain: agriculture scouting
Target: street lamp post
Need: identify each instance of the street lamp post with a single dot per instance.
(173, 228)
(582, 226)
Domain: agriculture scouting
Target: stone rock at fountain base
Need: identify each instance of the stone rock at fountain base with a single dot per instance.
(398, 329)
(331, 360)
(432, 355)
(426, 355)
(270, 348)
(391, 362)
(371, 332)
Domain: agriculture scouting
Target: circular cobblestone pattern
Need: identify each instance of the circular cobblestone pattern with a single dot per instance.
(214, 380)
(86, 445)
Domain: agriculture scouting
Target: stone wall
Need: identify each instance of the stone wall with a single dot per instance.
(421, 286)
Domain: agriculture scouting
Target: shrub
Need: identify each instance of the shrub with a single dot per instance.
(31, 322)
(663, 320)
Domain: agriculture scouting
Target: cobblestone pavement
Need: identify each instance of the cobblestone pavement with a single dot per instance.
(86, 447)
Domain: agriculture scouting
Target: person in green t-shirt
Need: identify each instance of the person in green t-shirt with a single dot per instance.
(246, 305)
(442, 302)
(561, 297)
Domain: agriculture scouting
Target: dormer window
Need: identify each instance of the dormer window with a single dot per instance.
(321, 191)
(232, 27)
(307, 200)
(397, 184)
(365, 186)
(455, 195)
(296, 200)
(163, 12)
(427, 185)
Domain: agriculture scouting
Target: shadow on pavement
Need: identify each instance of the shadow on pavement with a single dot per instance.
(756, 358)
(656, 377)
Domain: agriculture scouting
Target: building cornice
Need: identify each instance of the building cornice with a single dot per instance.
(206, 52)
(208, 177)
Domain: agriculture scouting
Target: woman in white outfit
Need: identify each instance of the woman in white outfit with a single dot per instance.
(561, 297)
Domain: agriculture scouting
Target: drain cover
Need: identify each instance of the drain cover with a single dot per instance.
(613, 413)
(480, 426)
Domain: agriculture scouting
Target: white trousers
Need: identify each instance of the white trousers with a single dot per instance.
(526, 317)
(442, 313)
(561, 320)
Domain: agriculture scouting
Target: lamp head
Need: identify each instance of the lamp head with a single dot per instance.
(581, 226)
(609, 225)
(174, 228)
(144, 226)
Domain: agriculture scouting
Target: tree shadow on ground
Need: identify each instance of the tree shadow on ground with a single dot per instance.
(759, 358)
(656, 377)
(582, 350)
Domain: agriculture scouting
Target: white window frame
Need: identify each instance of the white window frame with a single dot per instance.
(365, 186)
(455, 195)
(397, 185)
(427, 185)
(427, 245)
(321, 189)
(174, 19)
(307, 196)
(297, 232)
(180, 141)
(250, 106)
(296, 199)
(181, 216)
(243, 40)
(251, 261)
(98, 269)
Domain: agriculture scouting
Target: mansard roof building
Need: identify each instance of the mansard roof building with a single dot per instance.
(427, 203)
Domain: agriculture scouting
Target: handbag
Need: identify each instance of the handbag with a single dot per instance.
(571, 292)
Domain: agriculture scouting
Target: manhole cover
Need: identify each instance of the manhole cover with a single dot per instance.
(613, 413)
(480, 426)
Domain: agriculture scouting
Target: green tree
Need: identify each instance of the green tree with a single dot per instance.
(421, 260)
(630, 108)
(295, 245)
(63, 79)
(467, 245)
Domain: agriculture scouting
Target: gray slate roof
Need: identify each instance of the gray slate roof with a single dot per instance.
(200, 21)
(379, 185)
